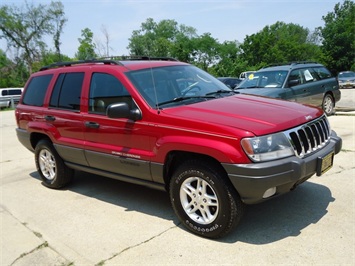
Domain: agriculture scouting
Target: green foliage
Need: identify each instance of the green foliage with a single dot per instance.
(163, 39)
(338, 34)
(205, 52)
(229, 62)
(59, 20)
(48, 58)
(24, 29)
(12, 74)
(168, 39)
(86, 48)
(279, 43)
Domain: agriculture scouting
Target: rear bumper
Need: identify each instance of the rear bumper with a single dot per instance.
(252, 180)
(25, 138)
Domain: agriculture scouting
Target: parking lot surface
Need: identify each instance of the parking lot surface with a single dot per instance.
(100, 221)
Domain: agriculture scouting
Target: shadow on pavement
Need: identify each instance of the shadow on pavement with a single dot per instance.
(282, 217)
(130, 196)
(273, 220)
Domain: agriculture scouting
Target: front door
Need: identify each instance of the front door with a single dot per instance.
(119, 146)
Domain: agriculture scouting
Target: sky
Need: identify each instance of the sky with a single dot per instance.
(225, 20)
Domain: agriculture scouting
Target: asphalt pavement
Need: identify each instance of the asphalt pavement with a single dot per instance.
(100, 221)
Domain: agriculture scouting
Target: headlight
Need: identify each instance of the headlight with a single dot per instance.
(267, 148)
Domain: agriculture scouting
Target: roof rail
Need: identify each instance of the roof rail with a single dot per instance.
(70, 63)
(290, 63)
(110, 60)
(139, 57)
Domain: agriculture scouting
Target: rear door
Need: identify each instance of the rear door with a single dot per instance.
(64, 118)
(316, 87)
(303, 84)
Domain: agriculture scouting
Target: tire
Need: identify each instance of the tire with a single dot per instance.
(203, 199)
(328, 104)
(54, 173)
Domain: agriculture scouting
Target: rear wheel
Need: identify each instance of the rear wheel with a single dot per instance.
(54, 173)
(203, 199)
(328, 104)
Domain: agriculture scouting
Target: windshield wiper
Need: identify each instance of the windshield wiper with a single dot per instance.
(180, 99)
(221, 91)
(251, 87)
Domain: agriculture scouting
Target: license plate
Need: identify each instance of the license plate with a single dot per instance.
(325, 163)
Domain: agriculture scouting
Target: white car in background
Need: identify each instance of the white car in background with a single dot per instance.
(9, 96)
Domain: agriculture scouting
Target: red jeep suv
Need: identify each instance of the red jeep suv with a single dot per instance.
(169, 125)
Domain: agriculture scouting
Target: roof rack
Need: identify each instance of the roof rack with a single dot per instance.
(110, 60)
(291, 63)
(139, 57)
(70, 63)
(303, 62)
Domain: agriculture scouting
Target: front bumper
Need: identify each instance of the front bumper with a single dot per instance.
(252, 180)
(347, 85)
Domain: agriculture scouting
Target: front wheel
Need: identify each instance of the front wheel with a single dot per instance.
(203, 199)
(54, 173)
(328, 104)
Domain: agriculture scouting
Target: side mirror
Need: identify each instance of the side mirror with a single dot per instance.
(122, 110)
(293, 82)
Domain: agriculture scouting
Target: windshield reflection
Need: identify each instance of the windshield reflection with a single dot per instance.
(175, 85)
(264, 79)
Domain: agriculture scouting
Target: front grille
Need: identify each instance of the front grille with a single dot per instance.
(309, 137)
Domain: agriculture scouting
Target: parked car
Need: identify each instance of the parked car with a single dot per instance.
(346, 79)
(230, 81)
(245, 74)
(212, 149)
(307, 83)
(9, 96)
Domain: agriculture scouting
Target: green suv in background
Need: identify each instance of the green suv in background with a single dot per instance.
(303, 82)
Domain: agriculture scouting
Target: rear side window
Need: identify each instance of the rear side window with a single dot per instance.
(322, 72)
(36, 90)
(67, 91)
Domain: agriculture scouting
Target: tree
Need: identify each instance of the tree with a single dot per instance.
(103, 49)
(279, 43)
(12, 74)
(26, 30)
(205, 51)
(163, 39)
(59, 21)
(86, 49)
(183, 43)
(48, 58)
(153, 39)
(229, 63)
(338, 35)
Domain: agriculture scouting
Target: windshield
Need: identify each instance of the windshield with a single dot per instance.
(264, 79)
(347, 75)
(174, 85)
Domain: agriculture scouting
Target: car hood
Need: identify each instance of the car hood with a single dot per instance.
(259, 115)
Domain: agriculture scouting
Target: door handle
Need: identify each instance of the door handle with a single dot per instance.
(92, 124)
(49, 118)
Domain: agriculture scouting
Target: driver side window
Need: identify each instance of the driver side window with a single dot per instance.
(296, 77)
(106, 89)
